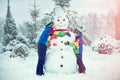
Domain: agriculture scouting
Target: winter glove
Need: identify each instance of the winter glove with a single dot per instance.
(49, 24)
(75, 49)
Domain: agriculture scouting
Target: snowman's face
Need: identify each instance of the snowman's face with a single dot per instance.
(61, 22)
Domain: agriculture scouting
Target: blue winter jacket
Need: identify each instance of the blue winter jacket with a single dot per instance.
(44, 36)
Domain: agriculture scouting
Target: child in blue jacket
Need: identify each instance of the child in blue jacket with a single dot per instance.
(42, 47)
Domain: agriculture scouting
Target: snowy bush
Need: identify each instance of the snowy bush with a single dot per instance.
(105, 49)
(23, 39)
(104, 45)
(21, 50)
(19, 39)
(18, 47)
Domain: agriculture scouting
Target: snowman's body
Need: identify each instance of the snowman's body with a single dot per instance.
(60, 58)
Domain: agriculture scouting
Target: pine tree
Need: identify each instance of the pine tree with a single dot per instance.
(30, 31)
(10, 30)
(34, 13)
(2, 23)
(62, 3)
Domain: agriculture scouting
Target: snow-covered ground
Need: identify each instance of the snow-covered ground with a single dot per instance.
(99, 67)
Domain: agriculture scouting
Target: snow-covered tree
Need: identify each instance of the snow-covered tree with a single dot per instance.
(34, 25)
(19, 46)
(62, 3)
(34, 13)
(23, 29)
(2, 23)
(10, 30)
(30, 31)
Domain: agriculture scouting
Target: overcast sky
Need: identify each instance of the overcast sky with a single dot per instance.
(20, 8)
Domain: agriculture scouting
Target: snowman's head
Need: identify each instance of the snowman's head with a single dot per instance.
(61, 22)
(60, 18)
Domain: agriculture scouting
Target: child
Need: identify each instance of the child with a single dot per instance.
(43, 44)
(42, 47)
(78, 51)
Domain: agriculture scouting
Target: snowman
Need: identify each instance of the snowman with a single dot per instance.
(60, 57)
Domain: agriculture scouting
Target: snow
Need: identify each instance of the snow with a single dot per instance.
(99, 67)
